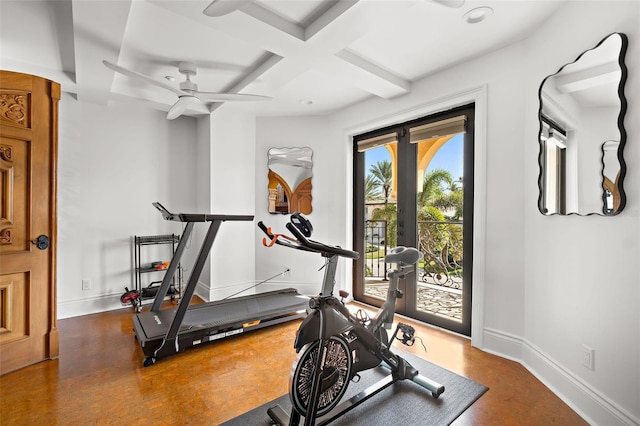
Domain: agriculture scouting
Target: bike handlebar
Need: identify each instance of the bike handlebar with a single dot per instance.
(300, 242)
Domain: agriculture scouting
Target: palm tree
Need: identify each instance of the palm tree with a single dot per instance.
(433, 185)
(382, 175)
(390, 214)
(441, 191)
(371, 189)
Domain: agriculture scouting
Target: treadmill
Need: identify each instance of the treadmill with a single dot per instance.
(164, 332)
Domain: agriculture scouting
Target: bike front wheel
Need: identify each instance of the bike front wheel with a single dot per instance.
(334, 376)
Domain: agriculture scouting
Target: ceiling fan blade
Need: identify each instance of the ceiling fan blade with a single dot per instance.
(224, 7)
(143, 77)
(450, 3)
(176, 109)
(229, 97)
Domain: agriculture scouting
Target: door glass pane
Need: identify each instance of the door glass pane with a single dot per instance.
(440, 225)
(380, 214)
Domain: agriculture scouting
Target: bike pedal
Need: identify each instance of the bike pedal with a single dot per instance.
(406, 329)
(408, 333)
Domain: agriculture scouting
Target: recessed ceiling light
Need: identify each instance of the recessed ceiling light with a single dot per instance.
(478, 14)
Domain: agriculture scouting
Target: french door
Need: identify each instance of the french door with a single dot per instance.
(414, 187)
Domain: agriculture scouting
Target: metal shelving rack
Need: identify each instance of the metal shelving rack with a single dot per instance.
(140, 241)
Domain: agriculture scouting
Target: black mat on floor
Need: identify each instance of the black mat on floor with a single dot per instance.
(403, 403)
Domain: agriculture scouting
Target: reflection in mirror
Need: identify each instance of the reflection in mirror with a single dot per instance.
(582, 136)
(290, 180)
(610, 177)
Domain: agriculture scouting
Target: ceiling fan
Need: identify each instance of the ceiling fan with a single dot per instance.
(224, 7)
(188, 93)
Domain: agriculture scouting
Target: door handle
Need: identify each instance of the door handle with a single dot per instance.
(42, 242)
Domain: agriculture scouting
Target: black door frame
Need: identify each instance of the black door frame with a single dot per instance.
(407, 213)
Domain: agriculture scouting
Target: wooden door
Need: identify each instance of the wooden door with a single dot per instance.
(28, 157)
(301, 198)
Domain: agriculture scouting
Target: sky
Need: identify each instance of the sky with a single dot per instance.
(449, 157)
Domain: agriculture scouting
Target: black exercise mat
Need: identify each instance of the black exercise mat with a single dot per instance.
(403, 403)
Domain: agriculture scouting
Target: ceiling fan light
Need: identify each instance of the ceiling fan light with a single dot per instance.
(189, 99)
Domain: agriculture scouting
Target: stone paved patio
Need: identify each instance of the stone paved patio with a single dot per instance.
(433, 299)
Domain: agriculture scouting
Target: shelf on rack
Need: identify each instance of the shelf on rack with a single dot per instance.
(147, 240)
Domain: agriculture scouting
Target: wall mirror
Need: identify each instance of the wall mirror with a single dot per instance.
(582, 135)
(290, 180)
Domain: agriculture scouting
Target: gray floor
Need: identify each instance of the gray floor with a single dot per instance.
(403, 403)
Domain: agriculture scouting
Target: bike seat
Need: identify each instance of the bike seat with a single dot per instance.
(403, 256)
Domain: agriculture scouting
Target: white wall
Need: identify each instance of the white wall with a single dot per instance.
(330, 175)
(113, 163)
(203, 204)
(226, 185)
(582, 274)
(549, 284)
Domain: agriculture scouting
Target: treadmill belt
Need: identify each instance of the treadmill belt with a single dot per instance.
(224, 313)
(251, 308)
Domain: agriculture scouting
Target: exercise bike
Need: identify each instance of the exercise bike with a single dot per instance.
(334, 345)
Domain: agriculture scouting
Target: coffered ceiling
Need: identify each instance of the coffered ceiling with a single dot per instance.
(309, 56)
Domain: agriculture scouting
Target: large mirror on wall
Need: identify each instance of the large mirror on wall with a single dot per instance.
(582, 134)
(290, 171)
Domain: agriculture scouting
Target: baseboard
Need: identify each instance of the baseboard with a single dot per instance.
(89, 305)
(588, 402)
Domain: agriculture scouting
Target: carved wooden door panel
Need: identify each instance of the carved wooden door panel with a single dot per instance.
(301, 198)
(28, 157)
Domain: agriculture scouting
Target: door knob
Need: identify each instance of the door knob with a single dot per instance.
(42, 242)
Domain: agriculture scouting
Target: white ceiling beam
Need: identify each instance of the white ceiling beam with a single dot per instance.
(62, 14)
(273, 19)
(327, 17)
(328, 13)
(258, 33)
(326, 52)
(98, 32)
(588, 78)
(384, 83)
(268, 61)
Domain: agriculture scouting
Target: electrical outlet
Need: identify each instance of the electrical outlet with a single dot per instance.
(588, 355)
(86, 284)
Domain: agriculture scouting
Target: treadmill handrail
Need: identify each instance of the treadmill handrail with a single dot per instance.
(199, 217)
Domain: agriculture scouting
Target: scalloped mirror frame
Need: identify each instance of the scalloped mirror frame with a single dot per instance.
(289, 180)
(620, 204)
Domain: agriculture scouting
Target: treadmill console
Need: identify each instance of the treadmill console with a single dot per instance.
(165, 213)
(198, 217)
